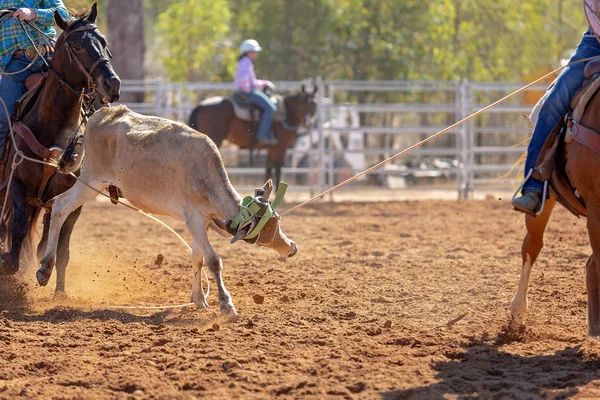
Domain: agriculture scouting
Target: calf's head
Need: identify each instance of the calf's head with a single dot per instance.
(270, 236)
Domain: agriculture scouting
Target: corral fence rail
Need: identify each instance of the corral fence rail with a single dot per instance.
(360, 123)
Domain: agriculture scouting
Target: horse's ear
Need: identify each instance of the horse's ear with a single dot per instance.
(303, 88)
(93, 13)
(315, 90)
(60, 22)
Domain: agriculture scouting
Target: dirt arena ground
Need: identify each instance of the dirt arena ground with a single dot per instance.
(399, 300)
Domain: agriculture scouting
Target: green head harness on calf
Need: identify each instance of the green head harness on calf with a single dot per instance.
(255, 212)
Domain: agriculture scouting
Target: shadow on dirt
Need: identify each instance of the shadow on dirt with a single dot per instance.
(62, 314)
(485, 371)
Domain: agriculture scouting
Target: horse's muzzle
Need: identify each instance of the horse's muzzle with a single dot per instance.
(110, 89)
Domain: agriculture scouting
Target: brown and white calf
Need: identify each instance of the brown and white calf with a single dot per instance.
(165, 168)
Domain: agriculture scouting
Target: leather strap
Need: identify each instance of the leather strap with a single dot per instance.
(585, 135)
(34, 145)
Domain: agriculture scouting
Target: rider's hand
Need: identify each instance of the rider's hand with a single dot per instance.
(25, 14)
(270, 85)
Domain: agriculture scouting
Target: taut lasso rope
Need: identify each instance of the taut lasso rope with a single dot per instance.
(422, 142)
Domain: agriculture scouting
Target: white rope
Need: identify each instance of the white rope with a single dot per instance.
(21, 156)
(422, 142)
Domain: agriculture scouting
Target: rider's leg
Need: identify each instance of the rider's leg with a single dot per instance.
(554, 108)
(268, 109)
(11, 89)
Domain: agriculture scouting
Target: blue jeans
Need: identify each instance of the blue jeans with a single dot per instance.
(260, 100)
(11, 89)
(557, 105)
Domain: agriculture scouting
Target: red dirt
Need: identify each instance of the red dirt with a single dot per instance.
(392, 300)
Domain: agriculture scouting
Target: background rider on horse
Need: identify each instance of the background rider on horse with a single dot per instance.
(18, 56)
(556, 105)
(245, 81)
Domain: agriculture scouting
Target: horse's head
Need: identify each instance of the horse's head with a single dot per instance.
(81, 56)
(301, 107)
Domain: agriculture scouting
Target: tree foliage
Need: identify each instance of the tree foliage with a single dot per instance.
(193, 40)
(363, 39)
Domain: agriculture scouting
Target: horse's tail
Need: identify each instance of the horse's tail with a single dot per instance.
(72, 157)
(193, 122)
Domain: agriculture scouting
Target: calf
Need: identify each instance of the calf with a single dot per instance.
(162, 167)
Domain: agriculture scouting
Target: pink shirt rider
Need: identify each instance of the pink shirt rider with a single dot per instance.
(245, 77)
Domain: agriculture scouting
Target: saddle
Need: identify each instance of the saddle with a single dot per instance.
(26, 138)
(33, 84)
(551, 163)
(245, 111)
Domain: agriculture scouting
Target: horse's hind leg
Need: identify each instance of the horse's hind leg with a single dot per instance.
(44, 240)
(592, 282)
(592, 277)
(63, 252)
(532, 245)
(62, 207)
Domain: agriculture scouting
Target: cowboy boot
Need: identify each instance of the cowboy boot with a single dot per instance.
(528, 203)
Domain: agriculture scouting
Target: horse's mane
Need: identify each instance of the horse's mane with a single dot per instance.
(78, 16)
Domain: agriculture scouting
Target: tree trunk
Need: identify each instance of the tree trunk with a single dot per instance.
(126, 38)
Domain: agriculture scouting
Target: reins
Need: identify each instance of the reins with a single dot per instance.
(19, 156)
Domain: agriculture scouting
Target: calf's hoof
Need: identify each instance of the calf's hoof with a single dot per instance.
(43, 275)
(60, 296)
(228, 310)
(199, 301)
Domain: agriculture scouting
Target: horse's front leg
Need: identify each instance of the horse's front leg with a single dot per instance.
(277, 176)
(44, 240)
(19, 228)
(63, 252)
(532, 245)
(268, 170)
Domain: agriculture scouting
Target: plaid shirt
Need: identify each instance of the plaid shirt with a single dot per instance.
(12, 37)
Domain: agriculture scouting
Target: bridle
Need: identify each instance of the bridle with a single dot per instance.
(90, 88)
(307, 117)
(91, 81)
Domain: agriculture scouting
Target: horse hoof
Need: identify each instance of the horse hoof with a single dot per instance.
(43, 275)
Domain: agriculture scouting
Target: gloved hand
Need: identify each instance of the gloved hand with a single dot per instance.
(25, 14)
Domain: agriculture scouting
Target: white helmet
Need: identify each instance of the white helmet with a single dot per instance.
(249, 45)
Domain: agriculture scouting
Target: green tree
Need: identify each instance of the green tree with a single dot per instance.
(192, 40)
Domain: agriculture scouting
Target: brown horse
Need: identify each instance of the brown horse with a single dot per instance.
(219, 122)
(576, 168)
(78, 68)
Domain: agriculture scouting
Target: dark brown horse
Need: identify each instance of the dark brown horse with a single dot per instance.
(79, 66)
(219, 122)
(576, 168)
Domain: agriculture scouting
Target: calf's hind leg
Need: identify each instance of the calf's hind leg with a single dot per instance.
(532, 245)
(62, 207)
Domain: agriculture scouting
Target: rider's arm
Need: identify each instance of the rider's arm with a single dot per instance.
(45, 16)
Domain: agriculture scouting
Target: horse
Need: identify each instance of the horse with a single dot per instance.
(79, 68)
(219, 122)
(575, 184)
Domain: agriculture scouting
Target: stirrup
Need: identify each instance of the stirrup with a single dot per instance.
(544, 192)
